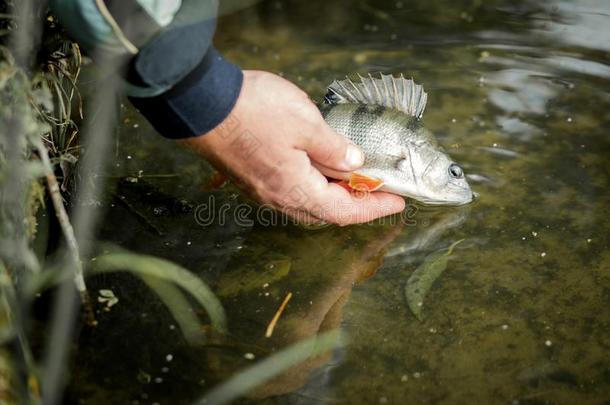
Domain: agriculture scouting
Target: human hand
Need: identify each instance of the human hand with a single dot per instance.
(274, 145)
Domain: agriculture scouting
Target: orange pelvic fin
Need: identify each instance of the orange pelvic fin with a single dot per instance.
(361, 182)
(216, 181)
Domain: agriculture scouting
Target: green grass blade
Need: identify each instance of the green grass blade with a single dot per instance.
(272, 366)
(178, 306)
(143, 265)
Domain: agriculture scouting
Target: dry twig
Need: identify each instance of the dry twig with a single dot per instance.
(277, 315)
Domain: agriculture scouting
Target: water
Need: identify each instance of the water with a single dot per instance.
(519, 94)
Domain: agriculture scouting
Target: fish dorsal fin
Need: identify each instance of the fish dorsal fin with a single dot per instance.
(392, 92)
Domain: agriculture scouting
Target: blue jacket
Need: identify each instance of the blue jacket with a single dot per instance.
(175, 77)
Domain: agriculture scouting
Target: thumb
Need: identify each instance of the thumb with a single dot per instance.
(334, 151)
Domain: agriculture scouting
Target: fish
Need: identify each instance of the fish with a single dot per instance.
(383, 117)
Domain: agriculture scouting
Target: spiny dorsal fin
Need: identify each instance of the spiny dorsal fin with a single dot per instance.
(388, 91)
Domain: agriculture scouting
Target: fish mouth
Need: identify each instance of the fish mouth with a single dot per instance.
(445, 203)
(468, 196)
(451, 203)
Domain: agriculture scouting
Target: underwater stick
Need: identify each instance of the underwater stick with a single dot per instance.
(277, 315)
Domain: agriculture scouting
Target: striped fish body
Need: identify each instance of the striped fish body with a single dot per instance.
(382, 133)
(401, 156)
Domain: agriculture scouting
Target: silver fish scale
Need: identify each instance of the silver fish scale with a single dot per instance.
(383, 134)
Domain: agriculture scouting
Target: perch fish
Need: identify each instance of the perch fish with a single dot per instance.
(382, 116)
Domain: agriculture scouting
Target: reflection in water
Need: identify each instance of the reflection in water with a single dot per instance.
(519, 93)
(430, 227)
(325, 266)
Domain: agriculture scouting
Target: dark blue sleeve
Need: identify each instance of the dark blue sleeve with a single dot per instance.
(176, 78)
(197, 104)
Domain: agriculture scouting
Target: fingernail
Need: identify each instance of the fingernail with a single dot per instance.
(354, 157)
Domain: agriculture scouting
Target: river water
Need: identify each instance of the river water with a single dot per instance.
(519, 94)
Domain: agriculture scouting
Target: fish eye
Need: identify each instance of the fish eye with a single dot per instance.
(456, 171)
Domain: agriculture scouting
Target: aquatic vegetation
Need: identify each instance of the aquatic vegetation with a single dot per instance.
(275, 364)
(424, 276)
(39, 141)
(161, 276)
(20, 129)
(180, 308)
(60, 74)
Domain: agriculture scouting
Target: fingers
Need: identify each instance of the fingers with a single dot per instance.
(303, 217)
(332, 203)
(310, 192)
(334, 174)
(353, 208)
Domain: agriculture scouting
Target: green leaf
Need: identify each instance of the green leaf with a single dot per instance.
(178, 306)
(424, 277)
